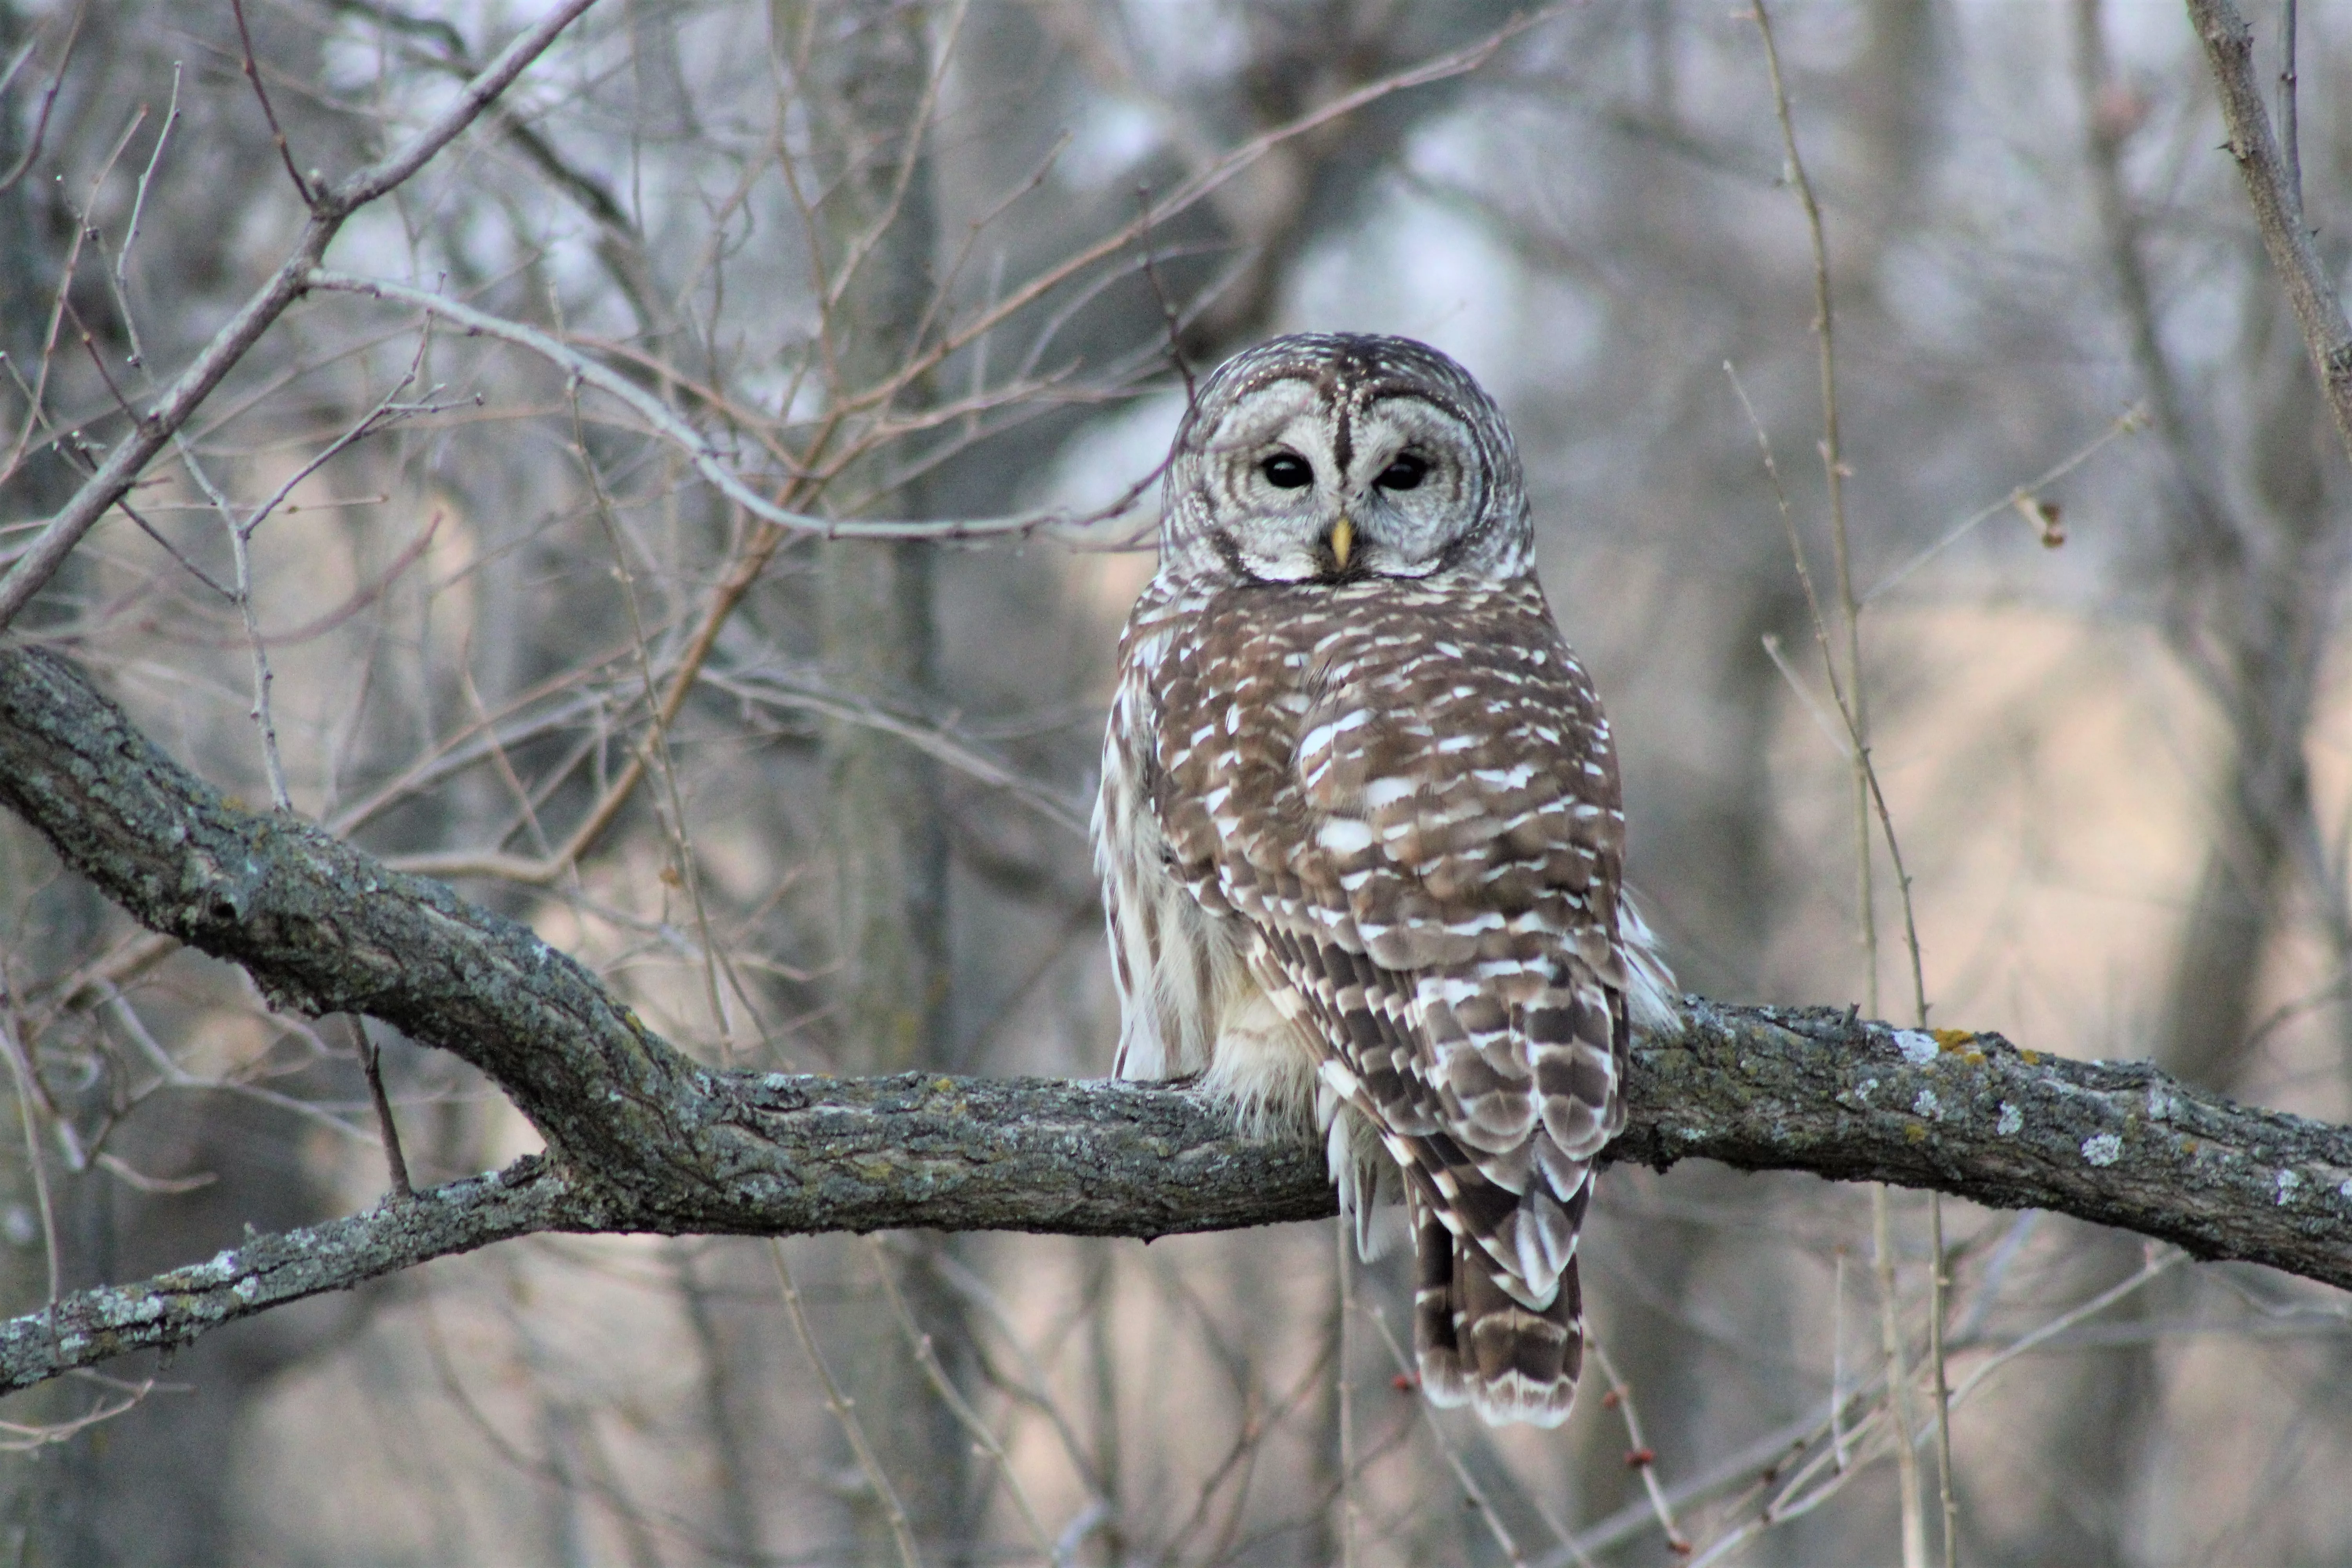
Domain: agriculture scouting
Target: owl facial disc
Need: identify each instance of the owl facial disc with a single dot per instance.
(1337, 458)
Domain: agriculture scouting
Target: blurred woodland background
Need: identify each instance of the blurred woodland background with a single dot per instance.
(941, 260)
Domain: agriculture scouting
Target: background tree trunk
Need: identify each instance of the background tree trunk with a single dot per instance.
(865, 69)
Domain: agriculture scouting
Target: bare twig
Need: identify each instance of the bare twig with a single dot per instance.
(2130, 422)
(28, 1096)
(2278, 208)
(654, 742)
(1176, 354)
(2158, 1263)
(1639, 1456)
(667, 423)
(1837, 1361)
(240, 545)
(2205, 524)
(779, 690)
(174, 1075)
(852, 1428)
(48, 96)
(139, 197)
(1475, 1494)
(1344, 1282)
(241, 531)
(1857, 752)
(2290, 147)
(253, 75)
(1874, 1437)
(329, 207)
(1853, 702)
(1898, 1376)
(917, 128)
(23, 1438)
(1940, 1285)
(363, 1045)
(927, 1356)
(1890, 1327)
(36, 398)
(1854, 709)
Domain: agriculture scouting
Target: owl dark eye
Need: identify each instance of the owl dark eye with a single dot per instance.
(1405, 473)
(1287, 471)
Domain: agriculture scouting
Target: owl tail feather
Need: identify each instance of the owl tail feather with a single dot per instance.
(1478, 1346)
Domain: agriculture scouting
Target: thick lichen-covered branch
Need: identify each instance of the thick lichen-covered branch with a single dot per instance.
(642, 1138)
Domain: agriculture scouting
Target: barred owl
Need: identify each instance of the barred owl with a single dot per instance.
(1359, 837)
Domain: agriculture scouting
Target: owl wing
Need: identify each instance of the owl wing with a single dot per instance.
(1409, 796)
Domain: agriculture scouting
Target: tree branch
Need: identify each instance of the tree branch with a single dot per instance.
(2278, 204)
(642, 1139)
(331, 206)
(174, 1308)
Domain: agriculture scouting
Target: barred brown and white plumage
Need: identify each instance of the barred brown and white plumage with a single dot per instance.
(1361, 839)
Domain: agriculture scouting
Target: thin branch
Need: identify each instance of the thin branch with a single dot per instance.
(2290, 142)
(171, 1074)
(932, 739)
(1898, 1376)
(1168, 313)
(2130, 422)
(673, 427)
(28, 1098)
(1344, 1287)
(2147, 1270)
(276, 134)
(139, 197)
(35, 398)
(654, 744)
(370, 1057)
(845, 1412)
(2278, 208)
(48, 96)
(1472, 1492)
(1853, 707)
(328, 208)
(2204, 527)
(927, 1356)
(1857, 751)
(1639, 1456)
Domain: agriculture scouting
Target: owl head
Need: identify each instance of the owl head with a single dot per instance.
(1337, 458)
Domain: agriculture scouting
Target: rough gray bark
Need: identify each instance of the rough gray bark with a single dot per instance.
(642, 1139)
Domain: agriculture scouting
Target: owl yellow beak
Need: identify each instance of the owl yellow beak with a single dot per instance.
(1343, 540)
